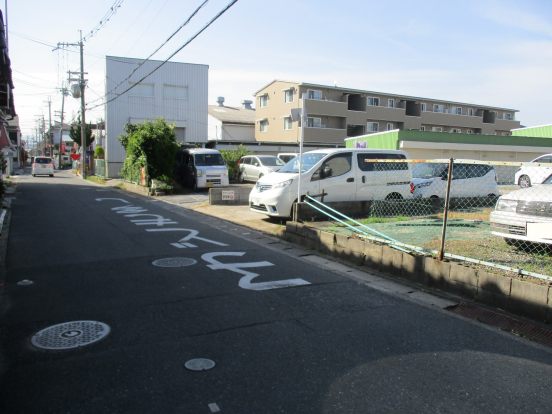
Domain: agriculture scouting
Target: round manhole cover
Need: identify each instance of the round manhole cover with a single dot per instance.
(174, 262)
(199, 364)
(25, 282)
(70, 335)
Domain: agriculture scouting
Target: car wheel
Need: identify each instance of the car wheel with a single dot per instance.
(434, 197)
(511, 242)
(51, 175)
(240, 178)
(394, 197)
(524, 181)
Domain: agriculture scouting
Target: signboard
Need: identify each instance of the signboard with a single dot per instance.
(228, 195)
(539, 230)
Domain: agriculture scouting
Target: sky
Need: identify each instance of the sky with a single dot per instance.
(488, 52)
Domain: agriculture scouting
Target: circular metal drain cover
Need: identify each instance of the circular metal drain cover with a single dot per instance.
(25, 282)
(174, 262)
(70, 335)
(199, 364)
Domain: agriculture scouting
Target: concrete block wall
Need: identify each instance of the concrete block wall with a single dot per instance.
(241, 196)
(510, 293)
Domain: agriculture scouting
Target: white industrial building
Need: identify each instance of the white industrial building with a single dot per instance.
(175, 91)
(232, 124)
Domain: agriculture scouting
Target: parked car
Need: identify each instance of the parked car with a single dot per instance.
(516, 212)
(287, 156)
(201, 168)
(343, 175)
(253, 167)
(42, 166)
(65, 162)
(527, 176)
(429, 180)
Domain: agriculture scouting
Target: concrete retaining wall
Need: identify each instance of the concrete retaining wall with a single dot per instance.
(510, 293)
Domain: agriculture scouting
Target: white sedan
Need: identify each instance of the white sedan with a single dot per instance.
(42, 166)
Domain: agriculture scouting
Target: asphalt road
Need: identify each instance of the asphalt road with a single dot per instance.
(287, 335)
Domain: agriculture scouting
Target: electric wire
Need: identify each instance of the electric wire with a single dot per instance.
(104, 20)
(173, 54)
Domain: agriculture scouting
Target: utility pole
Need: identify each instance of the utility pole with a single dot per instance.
(64, 93)
(82, 84)
(50, 123)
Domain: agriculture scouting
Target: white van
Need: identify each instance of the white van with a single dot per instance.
(201, 168)
(342, 174)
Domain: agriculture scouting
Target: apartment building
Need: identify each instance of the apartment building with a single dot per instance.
(335, 114)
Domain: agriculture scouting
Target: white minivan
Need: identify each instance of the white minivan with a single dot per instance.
(201, 168)
(342, 174)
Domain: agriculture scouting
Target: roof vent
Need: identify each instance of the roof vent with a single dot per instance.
(247, 104)
(220, 101)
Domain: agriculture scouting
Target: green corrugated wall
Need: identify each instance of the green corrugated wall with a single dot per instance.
(544, 131)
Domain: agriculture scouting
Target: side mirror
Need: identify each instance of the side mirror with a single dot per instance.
(326, 172)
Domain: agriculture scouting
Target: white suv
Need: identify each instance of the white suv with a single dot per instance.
(42, 166)
(527, 176)
(253, 167)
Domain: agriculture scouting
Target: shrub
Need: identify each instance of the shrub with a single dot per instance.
(232, 156)
(99, 152)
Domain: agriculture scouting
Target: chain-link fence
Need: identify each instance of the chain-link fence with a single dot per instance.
(492, 213)
(136, 172)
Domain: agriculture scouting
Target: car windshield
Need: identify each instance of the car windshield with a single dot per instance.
(308, 161)
(429, 170)
(271, 161)
(43, 160)
(208, 159)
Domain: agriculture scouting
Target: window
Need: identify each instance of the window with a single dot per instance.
(175, 92)
(508, 116)
(263, 101)
(457, 110)
(314, 123)
(334, 166)
(438, 108)
(141, 89)
(390, 103)
(372, 127)
(456, 130)
(423, 107)
(314, 94)
(422, 128)
(469, 131)
(389, 127)
(263, 125)
(470, 112)
(288, 123)
(436, 129)
(365, 165)
(373, 101)
(289, 96)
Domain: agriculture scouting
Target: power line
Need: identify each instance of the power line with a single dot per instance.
(162, 44)
(104, 20)
(178, 50)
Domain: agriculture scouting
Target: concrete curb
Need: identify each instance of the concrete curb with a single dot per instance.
(509, 293)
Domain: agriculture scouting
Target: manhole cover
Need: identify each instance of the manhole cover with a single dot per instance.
(174, 262)
(25, 282)
(199, 364)
(70, 335)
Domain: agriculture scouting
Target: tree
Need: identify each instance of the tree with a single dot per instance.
(99, 153)
(75, 133)
(232, 156)
(153, 143)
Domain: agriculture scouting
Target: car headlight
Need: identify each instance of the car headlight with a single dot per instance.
(509, 206)
(283, 184)
(428, 183)
(200, 173)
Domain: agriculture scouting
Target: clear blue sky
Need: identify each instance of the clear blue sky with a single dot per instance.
(489, 52)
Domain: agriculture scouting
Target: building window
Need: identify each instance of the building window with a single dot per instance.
(470, 112)
(263, 125)
(505, 134)
(288, 96)
(372, 127)
(508, 116)
(423, 107)
(263, 101)
(456, 131)
(175, 92)
(390, 103)
(389, 127)
(436, 129)
(314, 94)
(288, 123)
(373, 101)
(457, 110)
(422, 128)
(469, 131)
(438, 108)
(314, 123)
(141, 89)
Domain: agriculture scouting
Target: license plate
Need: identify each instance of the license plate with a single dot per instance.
(43, 166)
(209, 185)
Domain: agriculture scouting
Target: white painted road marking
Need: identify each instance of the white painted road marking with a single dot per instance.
(193, 235)
(245, 281)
